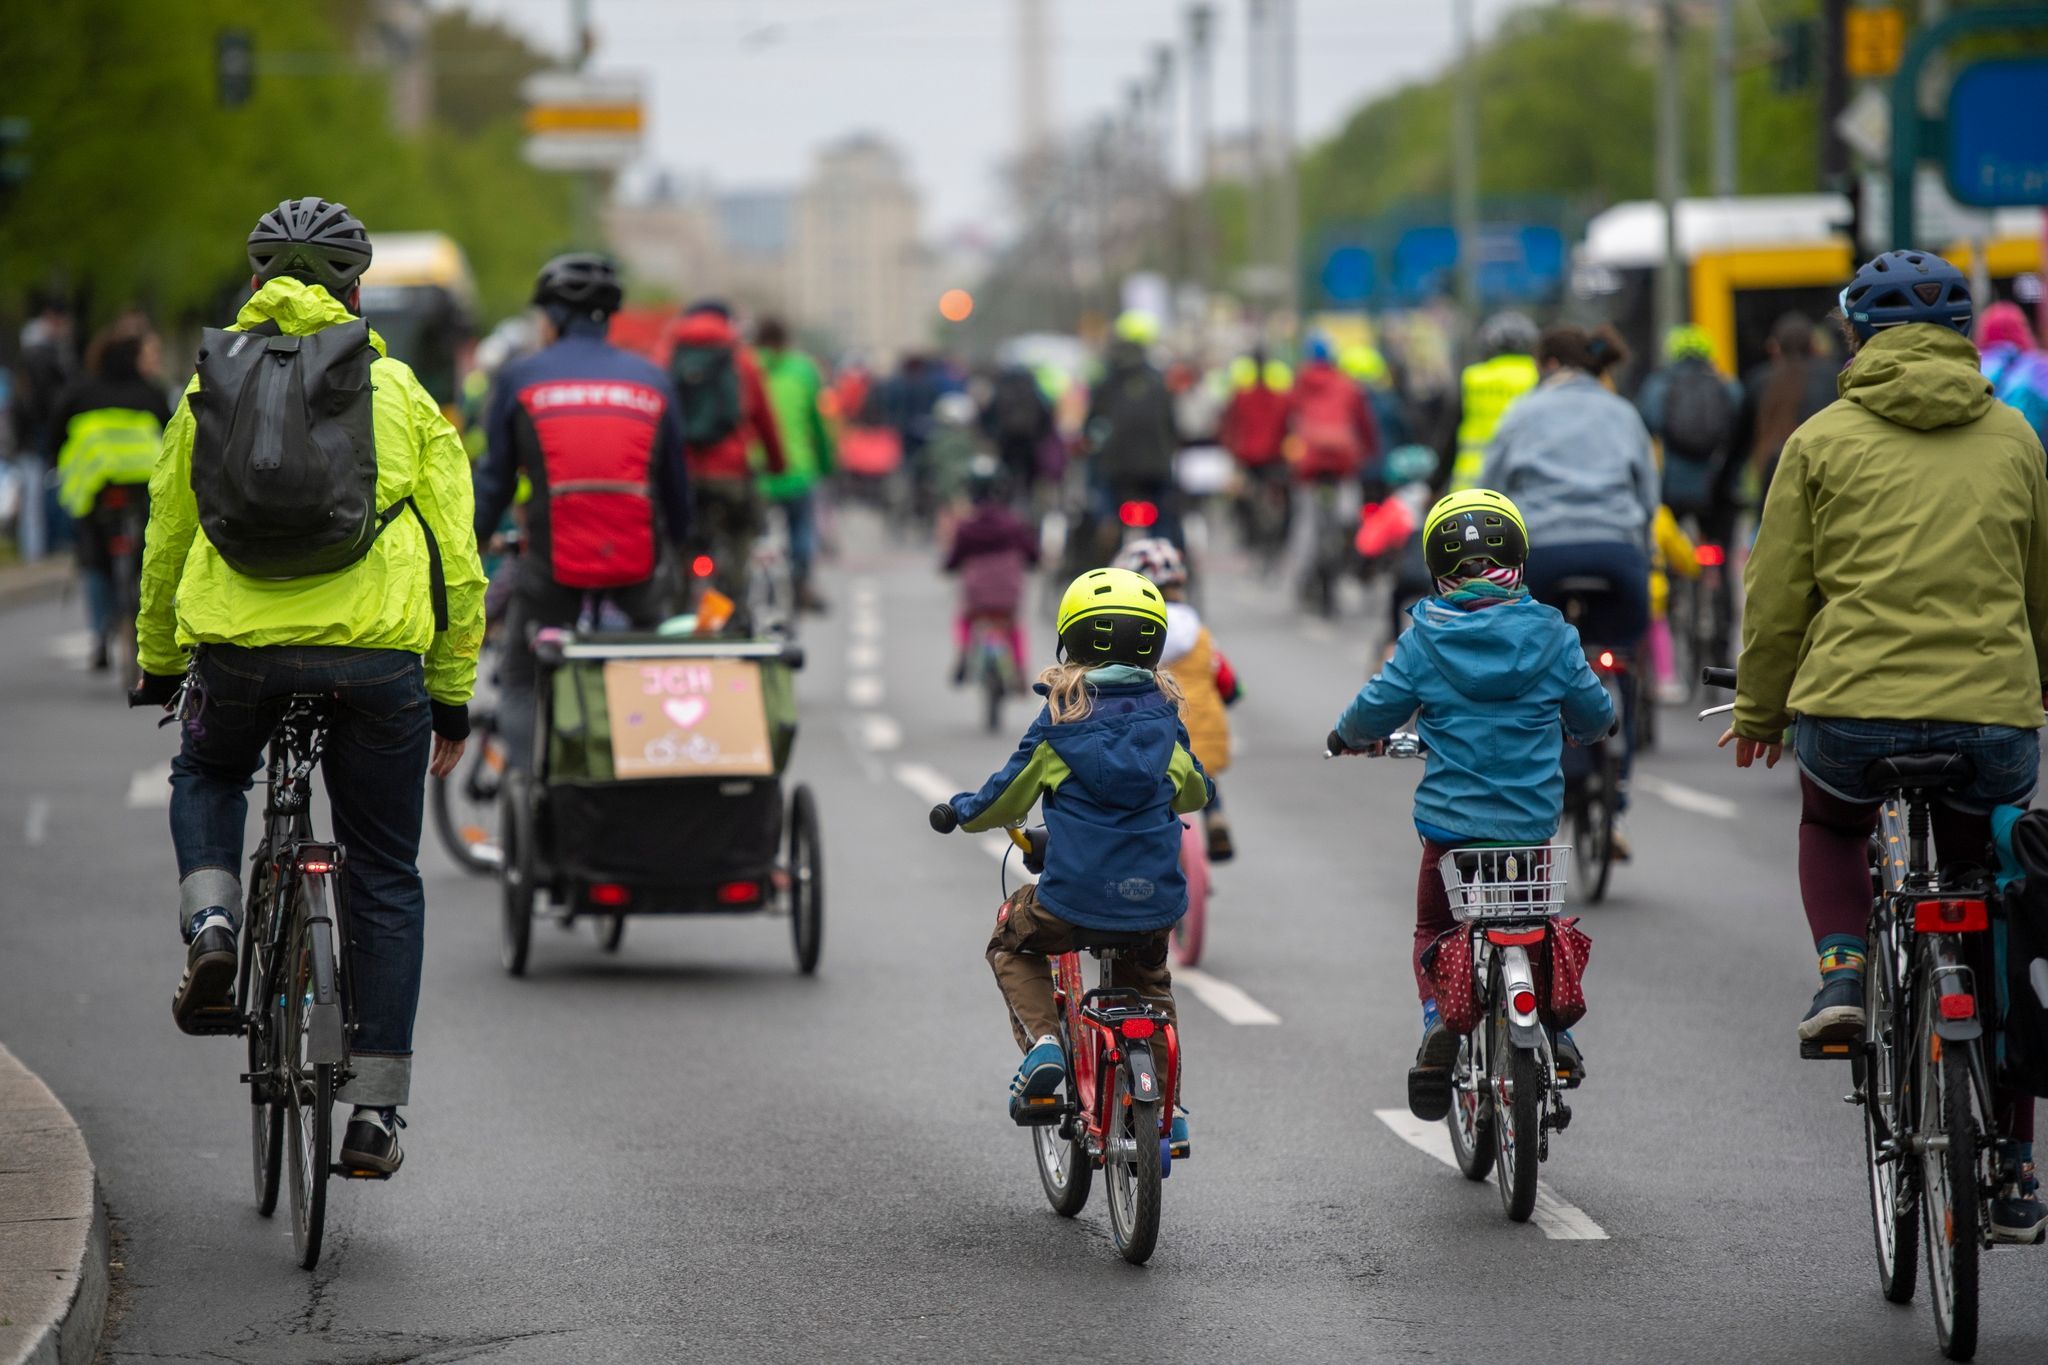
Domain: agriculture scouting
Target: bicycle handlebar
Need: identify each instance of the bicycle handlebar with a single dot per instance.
(1718, 677)
(1400, 744)
(944, 818)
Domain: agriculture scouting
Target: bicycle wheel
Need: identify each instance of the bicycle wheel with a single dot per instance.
(1601, 811)
(1131, 1169)
(1954, 1230)
(806, 880)
(1516, 1138)
(1471, 1119)
(611, 932)
(517, 875)
(1187, 933)
(1894, 1198)
(258, 997)
(309, 1102)
(1591, 809)
(1063, 1169)
(466, 804)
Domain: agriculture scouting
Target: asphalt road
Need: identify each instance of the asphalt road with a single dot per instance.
(687, 1152)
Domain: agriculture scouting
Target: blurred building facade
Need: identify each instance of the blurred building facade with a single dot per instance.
(859, 274)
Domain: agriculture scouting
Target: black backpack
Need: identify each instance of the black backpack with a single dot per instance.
(284, 453)
(2023, 962)
(1698, 412)
(707, 380)
(1019, 409)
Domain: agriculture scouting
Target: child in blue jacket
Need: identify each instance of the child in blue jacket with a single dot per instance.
(1488, 672)
(1110, 758)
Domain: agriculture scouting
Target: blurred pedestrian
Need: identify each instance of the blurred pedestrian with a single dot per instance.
(1795, 383)
(796, 391)
(2014, 364)
(47, 363)
(1017, 419)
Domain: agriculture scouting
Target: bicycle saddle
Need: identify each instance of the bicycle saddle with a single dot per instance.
(1921, 772)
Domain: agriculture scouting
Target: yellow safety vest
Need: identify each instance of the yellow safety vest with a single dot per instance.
(105, 446)
(1489, 388)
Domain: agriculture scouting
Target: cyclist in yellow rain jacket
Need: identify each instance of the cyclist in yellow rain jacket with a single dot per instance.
(1489, 387)
(364, 636)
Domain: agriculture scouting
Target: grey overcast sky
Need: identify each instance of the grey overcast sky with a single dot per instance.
(744, 91)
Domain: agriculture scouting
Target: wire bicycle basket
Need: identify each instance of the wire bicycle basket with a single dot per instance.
(1523, 881)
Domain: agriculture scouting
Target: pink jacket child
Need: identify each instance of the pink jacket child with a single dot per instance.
(992, 551)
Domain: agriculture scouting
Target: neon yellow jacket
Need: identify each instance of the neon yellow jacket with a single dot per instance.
(1488, 390)
(383, 601)
(105, 446)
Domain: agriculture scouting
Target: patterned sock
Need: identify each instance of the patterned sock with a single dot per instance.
(1840, 955)
(1430, 1015)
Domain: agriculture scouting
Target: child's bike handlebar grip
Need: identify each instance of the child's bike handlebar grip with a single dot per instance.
(944, 818)
(1334, 745)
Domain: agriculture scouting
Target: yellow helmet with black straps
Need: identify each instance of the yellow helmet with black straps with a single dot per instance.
(1112, 616)
(1476, 523)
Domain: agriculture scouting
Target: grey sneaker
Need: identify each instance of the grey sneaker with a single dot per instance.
(370, 1146)
(1836, 1015)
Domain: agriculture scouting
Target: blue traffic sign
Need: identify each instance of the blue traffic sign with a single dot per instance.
(1348, 275)
(1997, 137)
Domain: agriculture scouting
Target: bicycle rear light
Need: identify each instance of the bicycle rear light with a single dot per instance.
(739, 893)
(1606, 661)
(1711, 556)
(1137, 1028)
(1950, 917)
(1959, 1007)
(1524, 1001)
(1140, 514)
(609, 893)
(702, 566)
(316, 867)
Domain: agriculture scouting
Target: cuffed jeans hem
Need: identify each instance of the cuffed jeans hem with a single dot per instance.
(381, 1080)
(204, 888)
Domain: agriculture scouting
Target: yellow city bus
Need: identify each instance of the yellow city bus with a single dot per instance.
(420, 296)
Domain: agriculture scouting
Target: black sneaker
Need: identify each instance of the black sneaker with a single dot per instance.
(370, 1146)
(1221, 850)
(2017, 1214)
(205, 1001)
(1571, 1064)
(1836, 1014)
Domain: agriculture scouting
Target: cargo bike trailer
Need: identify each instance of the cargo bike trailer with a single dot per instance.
(657, 790)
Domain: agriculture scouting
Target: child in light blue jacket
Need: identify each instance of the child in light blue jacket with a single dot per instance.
(1495, 681)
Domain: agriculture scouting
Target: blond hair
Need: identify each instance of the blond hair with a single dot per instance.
(1070, 697)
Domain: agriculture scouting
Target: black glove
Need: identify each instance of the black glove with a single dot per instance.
(156, 689)
(451, 722)
(1335, 744)
(944, 818)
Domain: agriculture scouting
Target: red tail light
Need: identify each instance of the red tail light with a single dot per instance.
(739, 893)
(1137, 1028)
(1606, 662)
(1139, 514)
(702, 566)
(1515, 938)
(1524, 1002)
(1958, 1007)
(1950, 917)
(1711, 556)
(316, 868)
(609, 893)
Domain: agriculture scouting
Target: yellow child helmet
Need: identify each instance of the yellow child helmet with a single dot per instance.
(1688, 342)
(1137, 325)
(1112, 616)
(1476, 523)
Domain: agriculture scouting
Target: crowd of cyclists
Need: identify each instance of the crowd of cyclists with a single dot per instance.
(315, 523)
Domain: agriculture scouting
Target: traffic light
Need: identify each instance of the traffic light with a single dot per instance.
(1792, 68)
(14, 160)
(234, 67)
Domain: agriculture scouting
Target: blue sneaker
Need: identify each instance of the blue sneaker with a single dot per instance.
(1041, 1071)
(1564, 1052)
(1178, 1142)
(2017, 1215)
(1439, 1045)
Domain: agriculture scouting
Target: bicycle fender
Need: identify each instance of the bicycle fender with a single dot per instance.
(1959, 1030)
(1516, 975)
(1144, 1075)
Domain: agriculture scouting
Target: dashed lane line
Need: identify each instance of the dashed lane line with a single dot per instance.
(1560, 1221)
(35, 826)
(1227, 1000)
(864, 690)
(879, 733)
(863, 656)
(150, 787)
(1689, 799)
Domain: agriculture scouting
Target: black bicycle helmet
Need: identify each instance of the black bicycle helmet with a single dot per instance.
(1907, 286)
(310, 239)
(582, 282)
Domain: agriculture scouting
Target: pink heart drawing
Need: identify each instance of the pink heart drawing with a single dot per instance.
(684, 711)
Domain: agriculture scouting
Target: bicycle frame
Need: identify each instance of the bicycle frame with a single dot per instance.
(1103, 1029)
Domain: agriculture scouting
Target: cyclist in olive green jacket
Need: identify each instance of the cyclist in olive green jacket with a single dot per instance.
(1898, 603)
(364, 635)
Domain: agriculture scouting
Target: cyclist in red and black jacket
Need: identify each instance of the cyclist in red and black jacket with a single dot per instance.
(594, 429)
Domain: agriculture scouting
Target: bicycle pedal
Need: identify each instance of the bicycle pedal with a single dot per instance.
(1828, 1049)
(1561, 1117)
(1429, 1092)
(1567, 1079)
(223, 1022)
(1036, 1111)
(359, 1172)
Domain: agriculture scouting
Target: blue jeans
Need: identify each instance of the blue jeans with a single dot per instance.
(375, 767)
(1616, 619)
(800, 513)
(1834, 753)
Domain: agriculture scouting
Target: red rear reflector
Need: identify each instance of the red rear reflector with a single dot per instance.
(316, 867)
(1712, 556)
(1514, 938)
(702, 566)
(1137, 1028)
(609, 893)
(1525, 1002)
(1958, 1006)
(739, 893)
(1607, 659)
(1138, 514)
(1950, 917)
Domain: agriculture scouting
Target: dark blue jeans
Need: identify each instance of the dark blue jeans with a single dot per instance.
(1835, 753)
(375, 767)
(1615, 620)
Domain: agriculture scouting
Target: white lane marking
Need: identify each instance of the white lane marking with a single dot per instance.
(150, 787)
(36, 826)
(72, 647)
(926, 783)
(1690, 799)
(1227, 1000)
(864, 689)
(1321, 632)
(865, 627)
(863, 657)
(879, 733)
(1559, 1220)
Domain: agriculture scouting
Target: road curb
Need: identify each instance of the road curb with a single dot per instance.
(53, 1228)
(44, 578)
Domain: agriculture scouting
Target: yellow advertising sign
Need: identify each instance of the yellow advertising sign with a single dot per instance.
(584, 118)
(687, 718)
(1873, 41)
